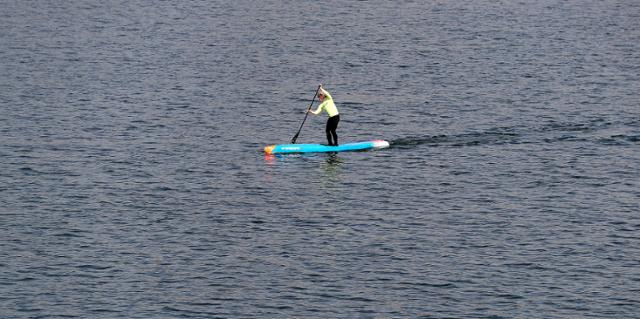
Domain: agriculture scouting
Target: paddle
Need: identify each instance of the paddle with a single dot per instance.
(295, 137)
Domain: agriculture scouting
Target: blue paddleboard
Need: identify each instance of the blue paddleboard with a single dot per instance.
(319, 148)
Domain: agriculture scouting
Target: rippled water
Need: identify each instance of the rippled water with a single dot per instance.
(133, 185)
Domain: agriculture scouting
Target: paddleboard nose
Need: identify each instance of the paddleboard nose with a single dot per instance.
(380, 144)
(268, 149)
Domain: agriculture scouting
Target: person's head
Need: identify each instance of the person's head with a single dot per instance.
(320, 96)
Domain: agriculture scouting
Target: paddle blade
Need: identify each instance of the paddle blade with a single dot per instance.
(295, 137)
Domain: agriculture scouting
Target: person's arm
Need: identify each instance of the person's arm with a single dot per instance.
(319, 109)
(325, 93)
(327, 98)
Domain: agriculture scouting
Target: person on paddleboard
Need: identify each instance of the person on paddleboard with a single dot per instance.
(331, 109)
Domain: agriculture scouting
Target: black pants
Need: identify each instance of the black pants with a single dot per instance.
(332, 125)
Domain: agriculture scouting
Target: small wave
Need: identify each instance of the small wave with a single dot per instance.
(94, 267)
(29, 171)
(186, 312)
(584, 126)
(407, 142)
(429, 284)
(549, 133)
(471, 139)
(620, 139)
(67, 234)
(104, 311)
(568, 127)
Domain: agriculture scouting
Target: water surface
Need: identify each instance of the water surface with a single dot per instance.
(133, 185)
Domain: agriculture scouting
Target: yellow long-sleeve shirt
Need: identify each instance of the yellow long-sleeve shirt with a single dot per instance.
(326, 105)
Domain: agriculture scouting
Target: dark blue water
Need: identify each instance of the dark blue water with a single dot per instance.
(133, 183)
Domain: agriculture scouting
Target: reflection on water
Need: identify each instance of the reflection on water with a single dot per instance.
(270, 159)
(332, 169)
(333, 159)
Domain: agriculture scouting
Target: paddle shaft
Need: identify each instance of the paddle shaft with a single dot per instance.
(295, 137)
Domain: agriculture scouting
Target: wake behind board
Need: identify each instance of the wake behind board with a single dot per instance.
(319, 148)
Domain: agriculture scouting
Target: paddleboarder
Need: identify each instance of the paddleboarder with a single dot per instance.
(334, 117)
